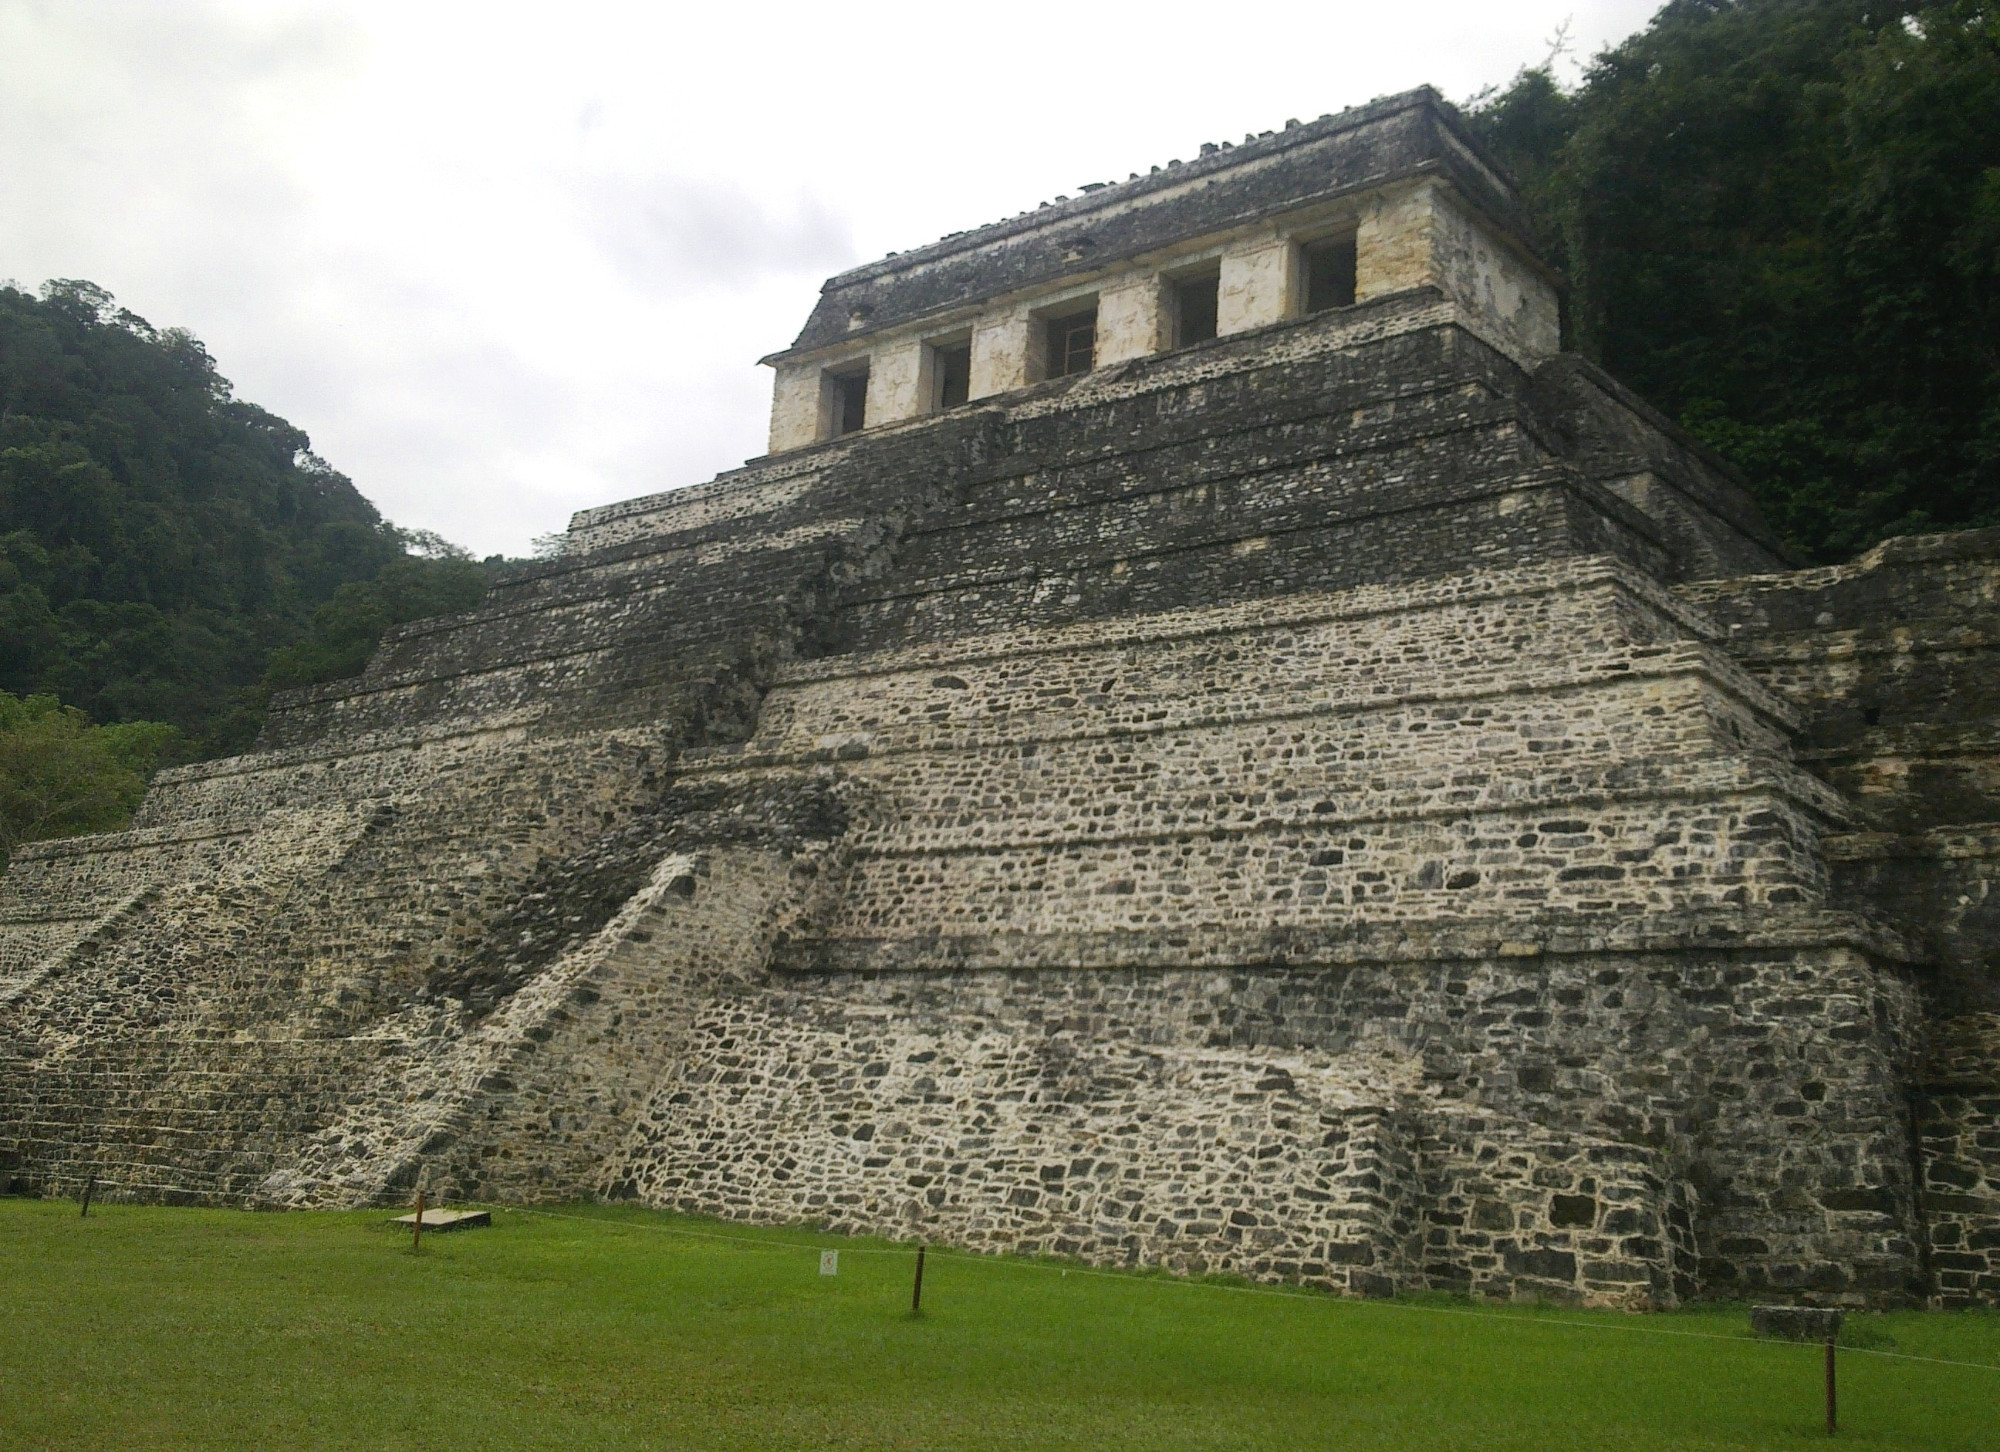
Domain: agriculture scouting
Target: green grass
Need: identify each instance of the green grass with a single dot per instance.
(144, 1328)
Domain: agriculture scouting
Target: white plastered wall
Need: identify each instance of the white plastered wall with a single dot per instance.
(1000, 352)
(798, 407)
(1424, 235)
(1256, 286)
(896, 378)
(1129, 318)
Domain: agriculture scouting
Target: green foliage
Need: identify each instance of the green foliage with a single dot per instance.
(159, 538)
(1781, 222)
(60, 774)
(616, 1328)
(346, 629)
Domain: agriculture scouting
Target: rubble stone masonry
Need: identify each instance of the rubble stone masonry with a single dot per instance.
(1354, 801)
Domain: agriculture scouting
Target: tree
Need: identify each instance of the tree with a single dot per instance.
(61, 775)
(160, 538)
(346, 630)
(1781, 223)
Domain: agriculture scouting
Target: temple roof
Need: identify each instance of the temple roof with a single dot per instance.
(1412, 134)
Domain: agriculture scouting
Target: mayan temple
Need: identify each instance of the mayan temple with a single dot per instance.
(1207, 741)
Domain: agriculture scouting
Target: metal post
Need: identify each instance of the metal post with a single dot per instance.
(917, 1291)
(88, 1186)
(1832, 1420)
(417, 1226)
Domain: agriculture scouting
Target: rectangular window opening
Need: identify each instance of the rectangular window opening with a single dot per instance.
(952, 368)
(847, 403)
(1329, 269)
(1195, 300)
(1072, 343)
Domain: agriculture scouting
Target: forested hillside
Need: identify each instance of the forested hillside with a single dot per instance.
(169, 555)
(1781, 223)
(160, 538)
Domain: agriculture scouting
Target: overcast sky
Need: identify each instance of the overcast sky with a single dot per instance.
(506, 261)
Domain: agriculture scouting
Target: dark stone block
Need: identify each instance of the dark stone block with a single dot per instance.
(1878, 1198)
(1958, 1260)
(1572, 1210)
(1551, 1265)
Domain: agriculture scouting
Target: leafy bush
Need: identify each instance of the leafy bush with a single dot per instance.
(61, 775)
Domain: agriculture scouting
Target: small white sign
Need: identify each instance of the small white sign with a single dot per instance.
(829, 1262)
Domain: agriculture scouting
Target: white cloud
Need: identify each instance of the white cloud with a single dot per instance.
(503, 261)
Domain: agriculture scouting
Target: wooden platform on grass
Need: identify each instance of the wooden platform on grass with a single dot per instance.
(449, 1219)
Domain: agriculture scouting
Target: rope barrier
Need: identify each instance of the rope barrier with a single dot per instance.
(1192, 1283)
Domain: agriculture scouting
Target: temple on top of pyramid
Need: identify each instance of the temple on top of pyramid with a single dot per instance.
(1393, 196)
(1207, 741)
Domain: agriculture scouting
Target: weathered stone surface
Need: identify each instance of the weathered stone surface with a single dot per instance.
(1412, 134)
(1342, 802)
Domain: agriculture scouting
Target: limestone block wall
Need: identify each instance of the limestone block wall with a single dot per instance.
(1890, 662)
(141, 1080)
(1230, 471)
(193, 1043)
(1505, 744)
(1060, 1113)
(1010, 1036)
(1514, 1208)
(532, 1101)
(1701, 505)
(1317, 456)
(64, 896)
(1575, 1126)
(1958, 1129)
(667, 614)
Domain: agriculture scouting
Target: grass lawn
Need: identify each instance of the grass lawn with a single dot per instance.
(614, 1328)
